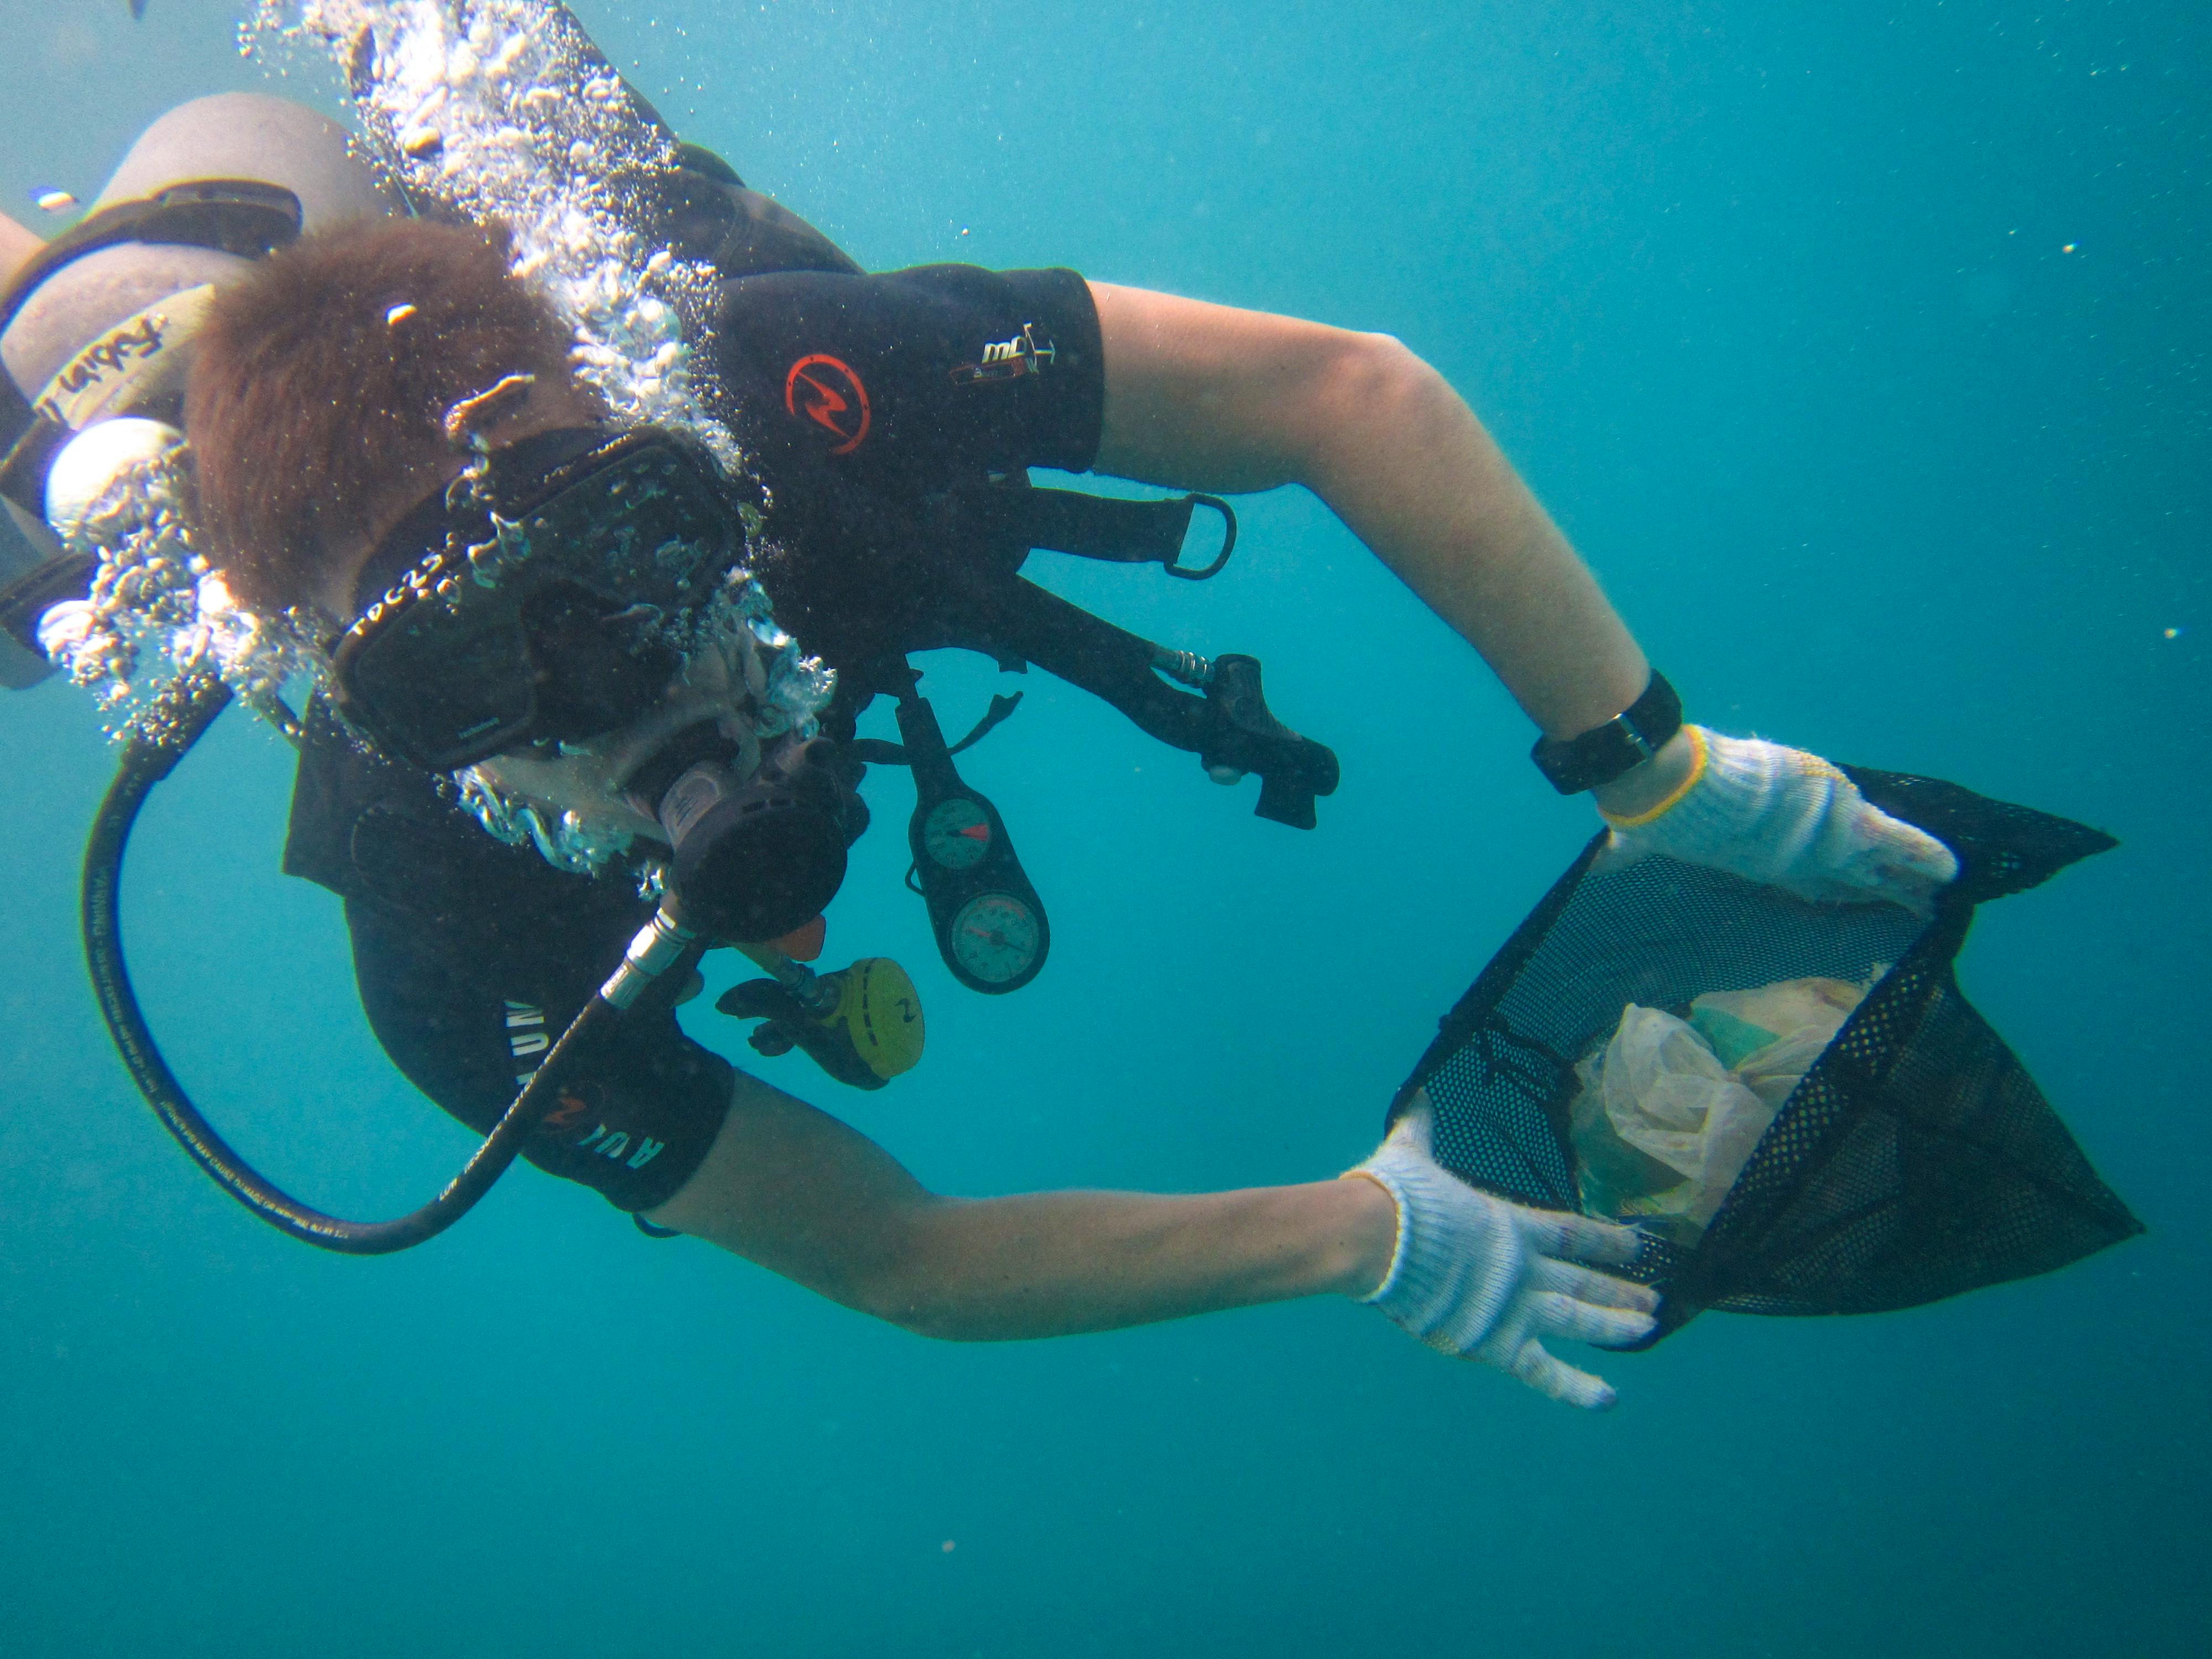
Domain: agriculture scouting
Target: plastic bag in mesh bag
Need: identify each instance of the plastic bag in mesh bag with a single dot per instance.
(1908, 1155)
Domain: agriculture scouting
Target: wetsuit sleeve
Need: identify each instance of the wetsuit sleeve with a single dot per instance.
(913, 376)
(469, 1026)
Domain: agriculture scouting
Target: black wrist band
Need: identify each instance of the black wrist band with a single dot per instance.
(1622, 743)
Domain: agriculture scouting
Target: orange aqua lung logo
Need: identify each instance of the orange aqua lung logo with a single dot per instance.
(821, 389)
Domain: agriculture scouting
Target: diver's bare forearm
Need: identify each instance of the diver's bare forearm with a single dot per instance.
(1205, 397)
(808, 1197)
(1056, 1264)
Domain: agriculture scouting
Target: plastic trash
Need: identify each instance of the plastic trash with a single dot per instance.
(1669, 1110)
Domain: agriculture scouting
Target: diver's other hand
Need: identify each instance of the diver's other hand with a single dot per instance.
(1475, 1276)
(1787, 818)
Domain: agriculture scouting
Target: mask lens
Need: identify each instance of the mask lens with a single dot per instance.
(647, 527)
(619, 544)
(442, 686)
(593, 671)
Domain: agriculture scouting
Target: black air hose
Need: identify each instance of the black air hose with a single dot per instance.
(188, 711)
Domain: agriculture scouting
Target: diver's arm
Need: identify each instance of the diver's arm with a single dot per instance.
(810, 1198)
(1206, 396)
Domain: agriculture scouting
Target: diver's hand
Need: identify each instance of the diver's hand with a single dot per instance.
(1475, 1276)
(1787, 818)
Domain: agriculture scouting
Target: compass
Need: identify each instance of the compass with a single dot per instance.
(997, 938)
(957, 835)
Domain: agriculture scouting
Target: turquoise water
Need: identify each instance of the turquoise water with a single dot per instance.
(1776, 310)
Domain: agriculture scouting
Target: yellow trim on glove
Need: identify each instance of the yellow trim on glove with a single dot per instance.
(1696, 735)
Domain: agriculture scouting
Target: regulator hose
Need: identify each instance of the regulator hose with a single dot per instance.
(166, 734)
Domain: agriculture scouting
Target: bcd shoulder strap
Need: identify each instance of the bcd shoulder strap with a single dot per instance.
(982, 605)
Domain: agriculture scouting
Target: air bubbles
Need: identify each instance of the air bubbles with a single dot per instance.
(116, 491)
(503, 111)
(105, 475)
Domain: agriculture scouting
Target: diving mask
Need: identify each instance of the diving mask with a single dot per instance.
(536, 596)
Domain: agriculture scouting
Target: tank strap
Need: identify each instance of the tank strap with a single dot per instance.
(241, 216)
(133, 365)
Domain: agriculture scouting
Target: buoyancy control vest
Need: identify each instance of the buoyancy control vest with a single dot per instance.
(959, 586)
(975, 599)
(375, 831)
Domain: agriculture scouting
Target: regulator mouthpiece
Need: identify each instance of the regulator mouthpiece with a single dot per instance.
(755, 858)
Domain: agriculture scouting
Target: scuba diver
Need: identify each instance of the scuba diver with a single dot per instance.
(517, 602)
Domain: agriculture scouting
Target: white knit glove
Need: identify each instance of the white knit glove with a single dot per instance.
(1475, 1276)
(1789, 819)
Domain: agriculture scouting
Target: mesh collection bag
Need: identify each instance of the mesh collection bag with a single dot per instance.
(1914, 1160)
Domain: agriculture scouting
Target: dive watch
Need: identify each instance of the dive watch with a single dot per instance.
(1603, 753)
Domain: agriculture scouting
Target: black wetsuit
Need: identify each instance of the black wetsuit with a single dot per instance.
(865, 398)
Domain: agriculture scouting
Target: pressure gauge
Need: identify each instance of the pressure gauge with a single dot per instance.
(989, 924)
(996, 938)
(956, 834)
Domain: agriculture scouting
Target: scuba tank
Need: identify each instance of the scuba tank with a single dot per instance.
(96, 324)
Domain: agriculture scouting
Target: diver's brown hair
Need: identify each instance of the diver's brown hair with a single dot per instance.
(320, 380)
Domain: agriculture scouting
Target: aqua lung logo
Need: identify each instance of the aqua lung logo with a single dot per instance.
(613, 1143)
(1011, 359)
(527, 1037)
(525, 1034)
(824, 389)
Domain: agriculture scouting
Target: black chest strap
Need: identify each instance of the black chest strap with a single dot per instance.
(978, 601)
(1226, 725)
(1013, 516)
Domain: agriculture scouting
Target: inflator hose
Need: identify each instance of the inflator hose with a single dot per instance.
(170, 731)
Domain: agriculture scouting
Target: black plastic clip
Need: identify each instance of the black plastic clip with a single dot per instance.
(1173, 567)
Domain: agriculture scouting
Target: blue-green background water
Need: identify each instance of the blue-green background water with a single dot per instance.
(1774, 307)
